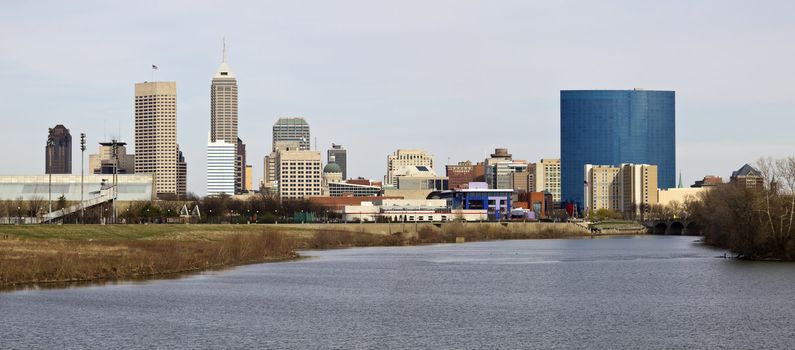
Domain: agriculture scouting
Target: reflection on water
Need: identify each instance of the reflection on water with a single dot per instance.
(637, 292)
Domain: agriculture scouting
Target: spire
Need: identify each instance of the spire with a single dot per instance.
(223, 59)
(681, 185)
(223, 70)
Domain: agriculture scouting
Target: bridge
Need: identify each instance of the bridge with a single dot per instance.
(681, 227)
(103, 196)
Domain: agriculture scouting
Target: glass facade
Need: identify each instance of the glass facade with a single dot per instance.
(610, 127)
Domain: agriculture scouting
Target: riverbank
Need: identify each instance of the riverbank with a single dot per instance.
(53, 254)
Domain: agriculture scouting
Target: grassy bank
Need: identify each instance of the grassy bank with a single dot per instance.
(44, 254)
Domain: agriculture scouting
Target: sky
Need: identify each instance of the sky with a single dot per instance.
(457, 78)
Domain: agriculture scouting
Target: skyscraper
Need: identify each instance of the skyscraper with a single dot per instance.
(291, 129)
(223, 104)
(223, 120)
(156, 134)
(340, 156)
(612, 127)
(58, 157)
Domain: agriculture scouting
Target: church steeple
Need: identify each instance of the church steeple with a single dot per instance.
(681, 185)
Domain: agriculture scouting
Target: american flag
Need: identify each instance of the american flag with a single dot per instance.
(154, 66)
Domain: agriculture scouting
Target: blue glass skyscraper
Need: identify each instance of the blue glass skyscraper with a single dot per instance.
(610, 127)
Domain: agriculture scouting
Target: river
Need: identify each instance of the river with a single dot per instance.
(614, 293)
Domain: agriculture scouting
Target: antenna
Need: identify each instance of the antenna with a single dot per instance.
(223, 59)
(104, 130)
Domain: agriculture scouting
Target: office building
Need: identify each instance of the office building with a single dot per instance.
(103, 162)
(182, 175)
(156, 134)
(547, 178)
(627, 188)
(612, 127)
(747, 176)
(220, 168)
(402, 158)
(224, 121)
(223, 103)
(460, 175)
(522, 181)
(299, 174)
(58, 156)
(292, 129)
(500, 167)
(249, 178)
(240, 167)
(270, 174)
(340, 156)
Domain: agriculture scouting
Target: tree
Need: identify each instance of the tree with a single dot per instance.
(61, 204)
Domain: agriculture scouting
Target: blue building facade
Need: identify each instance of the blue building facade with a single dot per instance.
(610, 127)
(496, 202)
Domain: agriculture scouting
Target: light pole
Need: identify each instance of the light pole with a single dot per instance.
(115, 149)
(49, 168)
(82, 176)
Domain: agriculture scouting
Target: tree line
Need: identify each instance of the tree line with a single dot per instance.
(752, 222)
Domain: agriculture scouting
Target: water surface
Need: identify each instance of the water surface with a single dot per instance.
(623, 292)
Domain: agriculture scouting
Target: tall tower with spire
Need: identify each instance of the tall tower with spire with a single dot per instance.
(223, 119)
(223, 104)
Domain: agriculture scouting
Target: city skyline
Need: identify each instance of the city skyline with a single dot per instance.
(481, 80)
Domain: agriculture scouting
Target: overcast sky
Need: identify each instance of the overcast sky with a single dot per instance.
(456, 78)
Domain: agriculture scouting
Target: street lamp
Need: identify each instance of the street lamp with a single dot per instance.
(19, 216)
(82, 176)
(49, 168)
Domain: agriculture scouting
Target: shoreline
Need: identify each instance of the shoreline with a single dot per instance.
(52, 256)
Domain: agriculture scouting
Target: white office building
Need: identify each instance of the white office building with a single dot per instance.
(220, 168)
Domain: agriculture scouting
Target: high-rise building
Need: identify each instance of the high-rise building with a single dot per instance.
(224, 122)
(402, 158)
(627, 188)
(182, 175)
(223, 104)
(299, 174)
(58, 157)
(612, 127)
(156, 134)
(240, 167)
(340, 156)
(292, 129)
(270, 174)
(220, 168)
(103, 162)
(547, 178)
